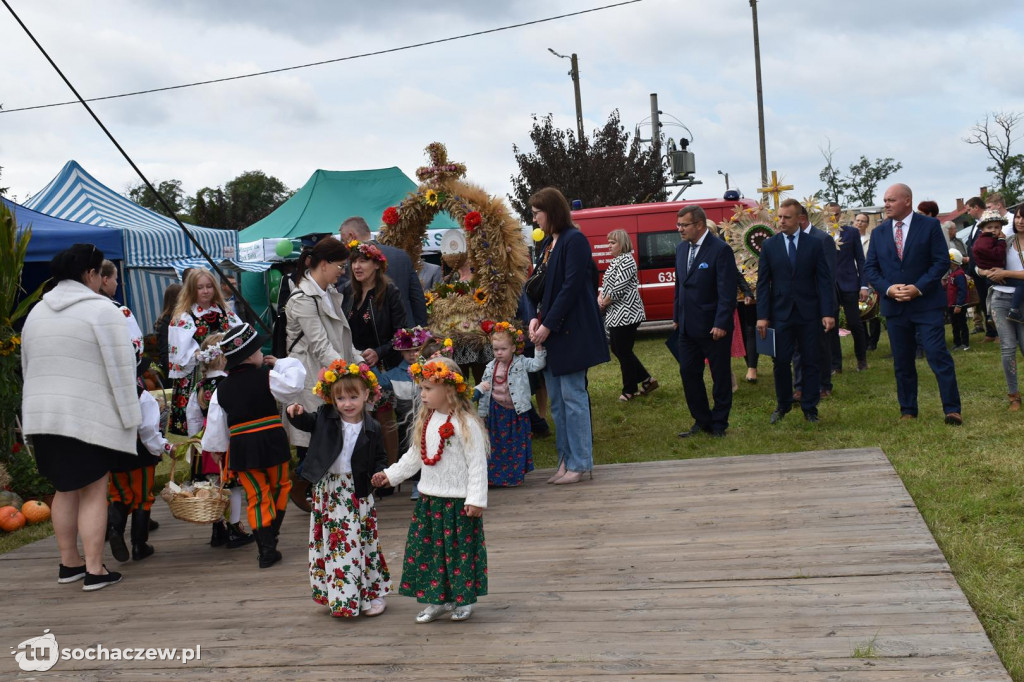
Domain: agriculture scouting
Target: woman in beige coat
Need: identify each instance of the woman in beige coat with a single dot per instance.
(317, 330)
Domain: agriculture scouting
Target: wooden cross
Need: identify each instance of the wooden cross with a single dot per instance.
(440, 169)
(774, 189)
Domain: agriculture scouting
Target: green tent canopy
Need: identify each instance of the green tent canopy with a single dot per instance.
(329, 197)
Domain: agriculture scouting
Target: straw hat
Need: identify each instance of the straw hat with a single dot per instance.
(991, 216)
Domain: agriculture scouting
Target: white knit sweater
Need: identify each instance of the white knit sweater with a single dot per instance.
(79, 369)
(462, 470)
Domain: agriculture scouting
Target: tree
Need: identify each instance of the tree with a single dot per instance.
(210, 208)
(996, 134)
(3, 190)
(859, 186)
(172, 193)
(251, 196)
(608, 170)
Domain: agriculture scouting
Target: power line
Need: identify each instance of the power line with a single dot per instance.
(328, 61)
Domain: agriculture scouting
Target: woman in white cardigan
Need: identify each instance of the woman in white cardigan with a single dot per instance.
(79, 405)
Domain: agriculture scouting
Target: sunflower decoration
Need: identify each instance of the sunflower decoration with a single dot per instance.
(745, 232)
(495, 247)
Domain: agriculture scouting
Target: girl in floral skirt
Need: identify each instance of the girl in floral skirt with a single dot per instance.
(504, 396)
(347, 570)
(445, 554)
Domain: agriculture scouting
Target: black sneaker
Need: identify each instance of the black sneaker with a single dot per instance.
(98, 582)
(70, 575)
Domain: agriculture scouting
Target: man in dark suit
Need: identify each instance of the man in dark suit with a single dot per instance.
(795, 296)
(705, 298)
(851, 288)
(906, 261)
(400, 270)
(824, 349)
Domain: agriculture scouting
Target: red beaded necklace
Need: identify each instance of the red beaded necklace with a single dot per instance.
(446, 431)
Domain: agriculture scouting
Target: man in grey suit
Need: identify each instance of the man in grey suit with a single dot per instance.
(430, 275)
(400, 269)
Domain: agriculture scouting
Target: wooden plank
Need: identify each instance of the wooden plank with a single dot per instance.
(740, 568)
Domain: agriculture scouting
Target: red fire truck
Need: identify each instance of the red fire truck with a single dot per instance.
(652, 230)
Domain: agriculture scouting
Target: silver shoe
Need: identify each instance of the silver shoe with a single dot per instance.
(433, 612)
(462, 612)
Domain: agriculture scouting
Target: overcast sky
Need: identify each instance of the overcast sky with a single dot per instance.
(905, 79)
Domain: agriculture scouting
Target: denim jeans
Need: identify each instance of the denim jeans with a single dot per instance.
(1011, 336)
(570, 409)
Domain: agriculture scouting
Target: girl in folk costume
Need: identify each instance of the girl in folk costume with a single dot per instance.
(504, 397)
(347, 571)
(243, 414)
(445, 554)
(200, 311)
(213, 365)
(108, 287)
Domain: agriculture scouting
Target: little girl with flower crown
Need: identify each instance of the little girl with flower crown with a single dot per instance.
(347, 571)
(445, 563)
(504, 395)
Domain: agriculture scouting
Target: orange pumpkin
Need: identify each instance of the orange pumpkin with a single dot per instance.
(35, 511)
(11, 519)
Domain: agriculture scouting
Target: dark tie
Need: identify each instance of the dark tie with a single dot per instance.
(792, 249)
(899, 240)
(693, 257)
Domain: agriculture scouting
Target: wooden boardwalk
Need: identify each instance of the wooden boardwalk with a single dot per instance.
(769, 567)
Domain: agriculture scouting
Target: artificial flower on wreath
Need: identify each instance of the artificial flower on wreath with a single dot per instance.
(431, 197)
(480, 296)
(390, 216)
(472, 221)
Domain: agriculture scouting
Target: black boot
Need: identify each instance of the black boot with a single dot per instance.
(219, 538)
(238, 537)
(153, 525)
(140, 533)
(266, 540)
(278, 520)
(117, 520)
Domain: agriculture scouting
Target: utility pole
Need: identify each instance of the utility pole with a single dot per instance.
(574, 73)
(760, 96)
(655, 126)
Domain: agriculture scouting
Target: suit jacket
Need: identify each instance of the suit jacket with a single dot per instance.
(569, 307)
(401, 272)
(803, 295)
(925, 261)
(850, 261)
(831, 253)
(430, 275)
(705, 296)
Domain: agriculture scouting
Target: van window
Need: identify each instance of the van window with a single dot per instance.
(656, 250)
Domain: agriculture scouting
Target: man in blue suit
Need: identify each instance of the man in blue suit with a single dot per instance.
(795, 296)
(400, 270)
(905, 263)
(852, 288)
(705, 298)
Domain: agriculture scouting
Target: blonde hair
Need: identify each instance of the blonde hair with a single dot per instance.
(458, 406)
(190, 292)
(217, 363)
(621, 239)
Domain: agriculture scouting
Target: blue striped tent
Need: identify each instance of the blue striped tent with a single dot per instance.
(154, 245)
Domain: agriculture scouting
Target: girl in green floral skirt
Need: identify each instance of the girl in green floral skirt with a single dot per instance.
(445, 564)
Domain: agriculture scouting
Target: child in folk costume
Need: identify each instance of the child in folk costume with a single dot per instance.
(244, 415)
(504, 396)
(213, 364)
(956, 300)
(347, 571)
(130, 489)
(201, 311)
(445, 563)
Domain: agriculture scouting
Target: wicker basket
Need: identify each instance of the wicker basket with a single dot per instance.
(202, 510)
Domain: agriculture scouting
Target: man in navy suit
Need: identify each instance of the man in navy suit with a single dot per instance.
(400, 270)
(851, 288)
(906, 261)
(824, 349)
(705, 298)
(795, 296)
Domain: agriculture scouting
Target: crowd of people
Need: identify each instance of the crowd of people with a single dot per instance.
(369, 397)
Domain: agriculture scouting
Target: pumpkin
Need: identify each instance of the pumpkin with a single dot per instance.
(35, 511)
(9, 498)
(11, 519)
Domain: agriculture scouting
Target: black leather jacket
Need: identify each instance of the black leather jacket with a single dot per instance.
(325, 444)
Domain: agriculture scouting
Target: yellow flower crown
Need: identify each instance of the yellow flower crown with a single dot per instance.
(338, 369)
(518, 338)
(437, 372)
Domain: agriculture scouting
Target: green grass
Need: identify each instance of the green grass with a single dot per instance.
(866, 650)
(965, 481)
